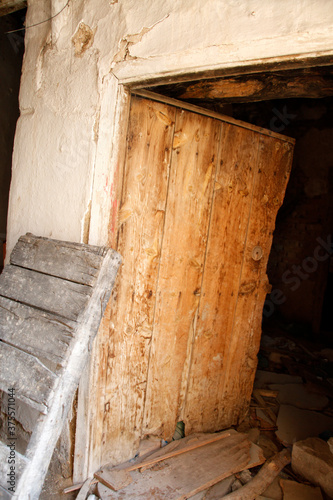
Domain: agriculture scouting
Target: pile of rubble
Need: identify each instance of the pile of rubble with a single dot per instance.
(282, 451)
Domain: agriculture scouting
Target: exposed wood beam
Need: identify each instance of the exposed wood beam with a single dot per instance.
(10, 6)
(308, 83)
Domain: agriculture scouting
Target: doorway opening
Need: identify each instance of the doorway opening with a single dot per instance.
(11, 56)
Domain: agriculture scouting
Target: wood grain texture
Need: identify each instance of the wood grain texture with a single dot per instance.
(272, 174)
(225, 252)
(32, 381)
(71, 261)
(44, 335)
(48, 428)
(141, 222)
(194, 158)
(263, 479)
(185, 322)
(212, 114)
(182, 476)
(55, 295)
(263, 87)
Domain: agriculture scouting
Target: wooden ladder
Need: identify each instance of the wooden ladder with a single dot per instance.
(52, 298)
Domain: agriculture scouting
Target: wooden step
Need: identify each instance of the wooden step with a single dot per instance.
(52, 298)
(31, 380)
(46, 336)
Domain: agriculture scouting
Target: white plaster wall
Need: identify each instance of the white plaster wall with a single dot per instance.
(67, 138)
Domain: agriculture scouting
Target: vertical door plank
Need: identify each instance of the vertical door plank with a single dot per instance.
(225, 251)
(273, 169)
(194, 157)
(141, 222)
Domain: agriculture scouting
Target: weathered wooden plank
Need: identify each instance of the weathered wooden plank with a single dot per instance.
(8, 453)
(31, 380)
(141, 221)
(308, 83)
(48, 428)
(71, 261)
(194, 158)
(58, 296)
(212, 114)
(225, 251)
(9, 6)
(182, 476)
(39, 333)
(272, 173)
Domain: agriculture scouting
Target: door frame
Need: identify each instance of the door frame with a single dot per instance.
(114, 117)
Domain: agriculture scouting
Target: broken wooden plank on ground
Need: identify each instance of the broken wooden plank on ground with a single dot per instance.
(82, 495)
(118, 478)
(263, 479)
(191, 444)
(186, 474)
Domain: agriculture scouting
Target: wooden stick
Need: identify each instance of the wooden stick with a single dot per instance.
(263, 479)
(257, 396)
(177, 452)
(147, 463)
(84, 489)
(78, 486)
(267, 393)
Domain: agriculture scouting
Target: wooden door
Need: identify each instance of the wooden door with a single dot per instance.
(199, 200)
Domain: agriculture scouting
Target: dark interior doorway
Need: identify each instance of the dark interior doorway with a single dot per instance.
(299, 104)
(11, 55)
(297, 327)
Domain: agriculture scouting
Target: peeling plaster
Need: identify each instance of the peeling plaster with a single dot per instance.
(127, 41)
(83, 39)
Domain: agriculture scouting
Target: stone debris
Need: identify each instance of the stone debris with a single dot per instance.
(264, 378)
(295, 424)
(298, 395)
(297, 491)
(312, 459)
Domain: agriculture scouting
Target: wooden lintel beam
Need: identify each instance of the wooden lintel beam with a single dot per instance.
(10, 6)
(312, 83)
